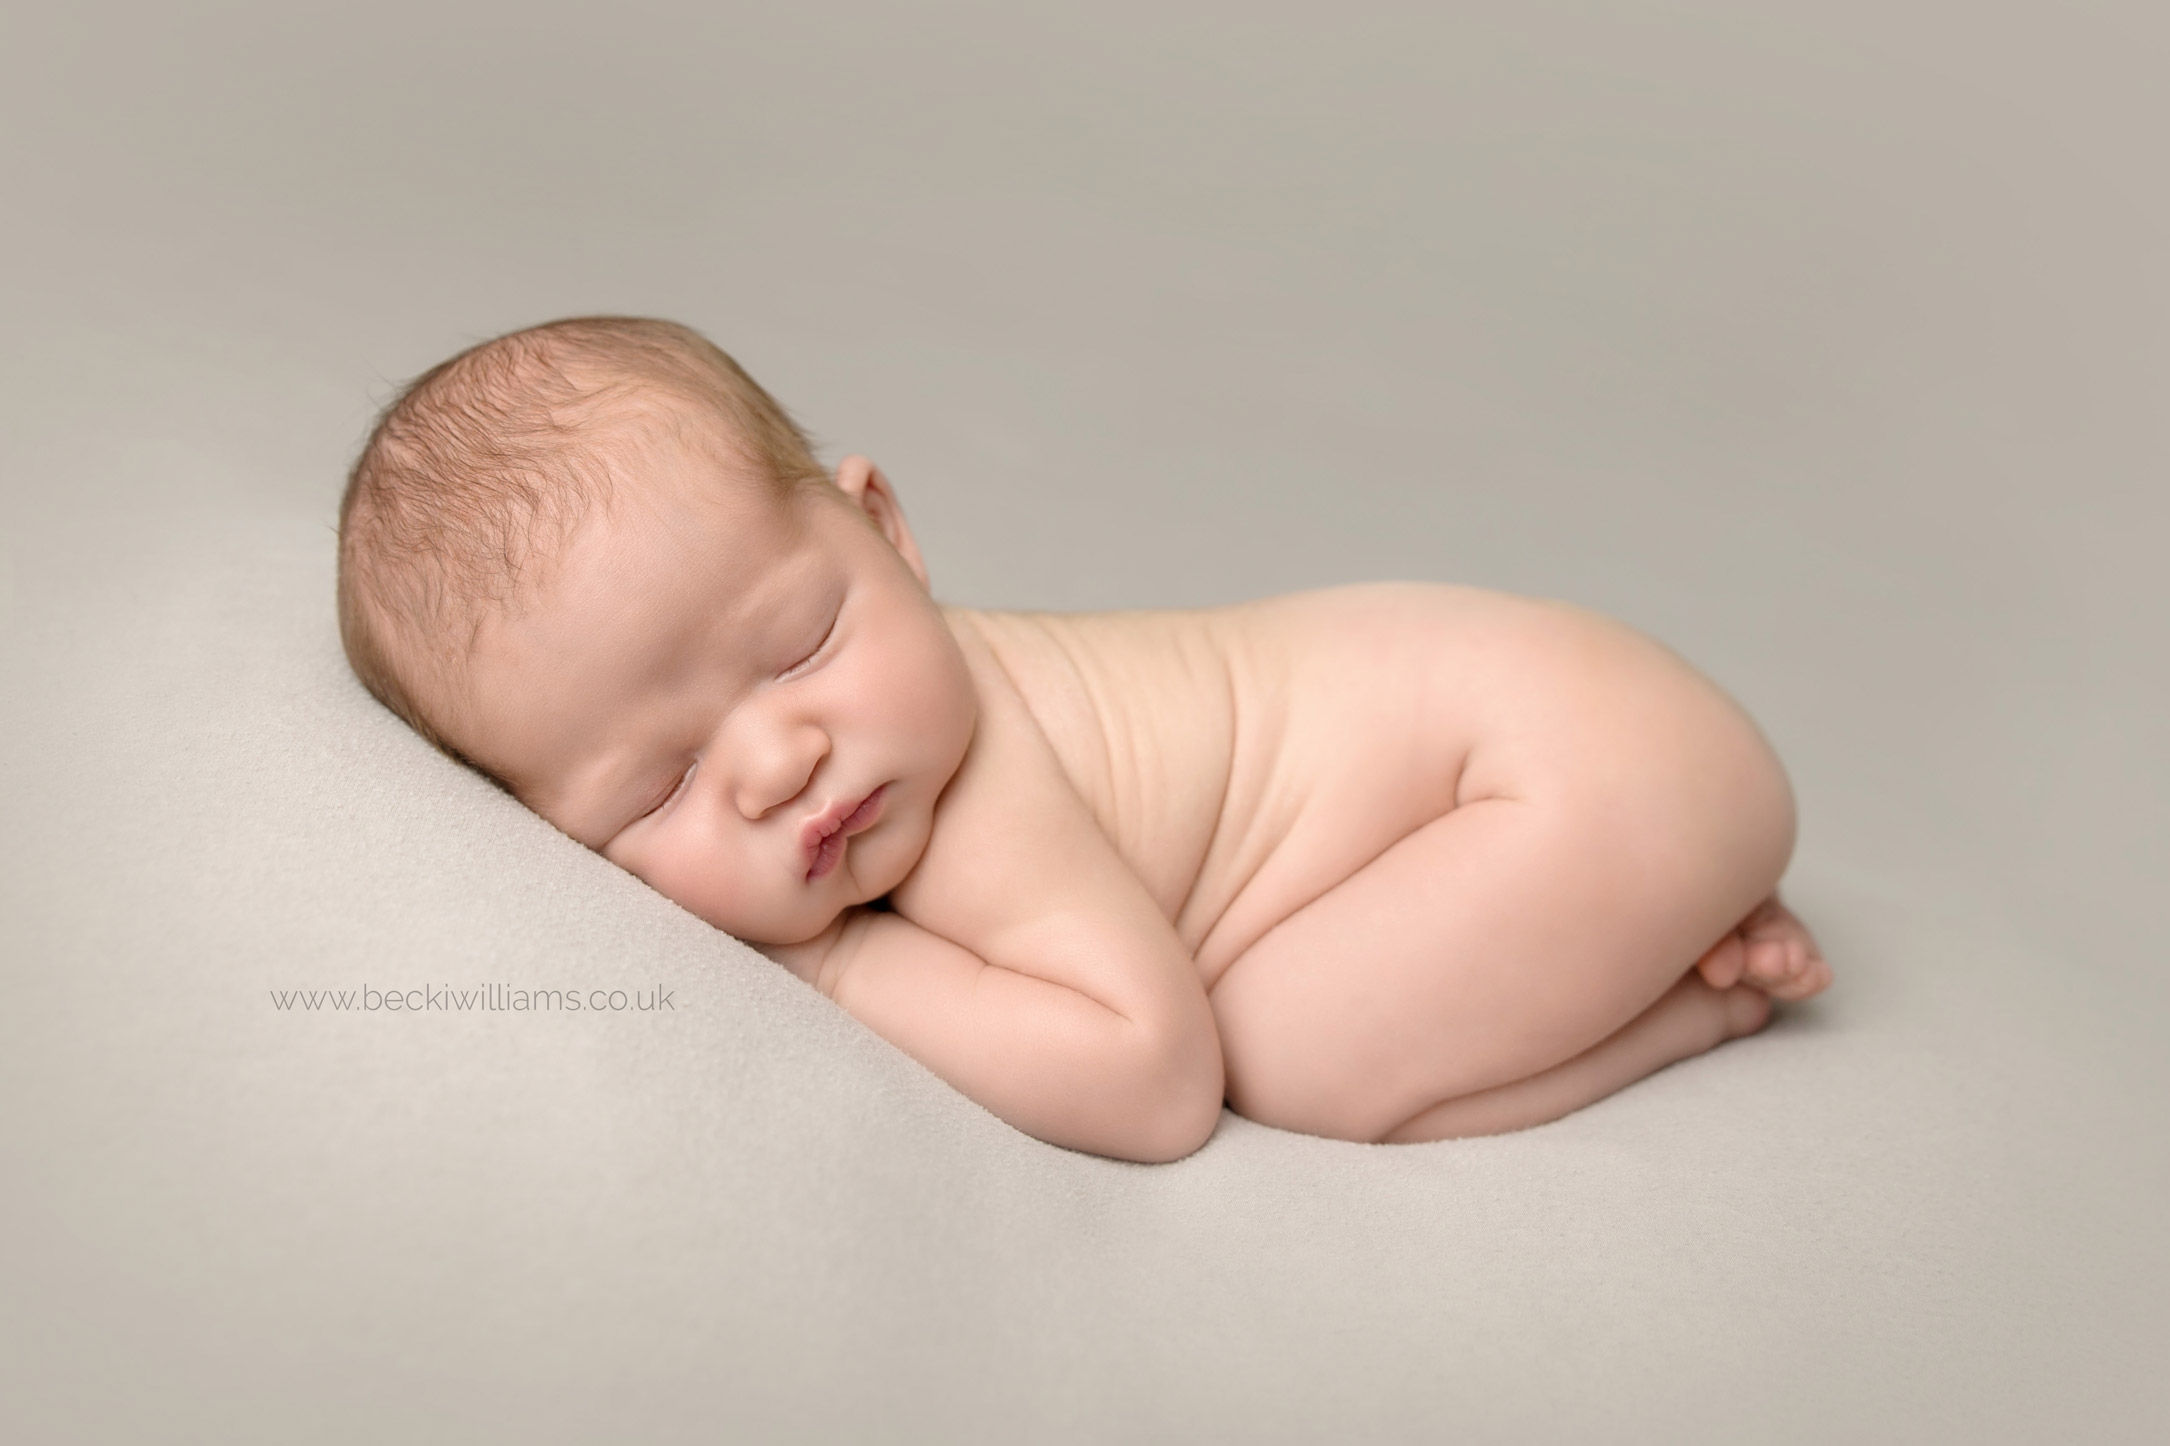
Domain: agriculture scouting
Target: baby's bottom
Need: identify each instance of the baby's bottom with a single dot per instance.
(1505, 965)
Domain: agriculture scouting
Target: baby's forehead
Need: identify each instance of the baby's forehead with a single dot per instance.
(684, 531)
(657, 570)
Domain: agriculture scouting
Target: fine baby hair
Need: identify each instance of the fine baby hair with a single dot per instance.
(480, 467)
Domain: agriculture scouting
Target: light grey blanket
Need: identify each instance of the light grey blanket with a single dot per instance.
(1826, 343)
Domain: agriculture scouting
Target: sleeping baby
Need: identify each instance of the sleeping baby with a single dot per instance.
(1388, 862)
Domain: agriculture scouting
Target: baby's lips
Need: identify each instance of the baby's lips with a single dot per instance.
(863, 816)
(823, 838)
(826, 853)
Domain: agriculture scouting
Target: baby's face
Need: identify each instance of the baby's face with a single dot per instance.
(708, 690)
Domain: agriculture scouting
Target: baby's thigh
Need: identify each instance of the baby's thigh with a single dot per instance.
(1499, 939)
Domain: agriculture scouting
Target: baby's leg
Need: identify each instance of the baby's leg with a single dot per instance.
(1688, 1019)
(1506, 939)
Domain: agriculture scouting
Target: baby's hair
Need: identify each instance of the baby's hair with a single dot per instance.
(483, 464)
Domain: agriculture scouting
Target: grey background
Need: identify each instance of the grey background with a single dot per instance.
(1825, 342)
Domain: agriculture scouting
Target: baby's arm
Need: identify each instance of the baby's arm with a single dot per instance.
(1027, 965)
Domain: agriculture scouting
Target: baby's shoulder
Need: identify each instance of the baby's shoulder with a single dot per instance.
(1140, 711)
(1107, 686)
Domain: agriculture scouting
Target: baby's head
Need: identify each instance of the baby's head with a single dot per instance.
(597, 562)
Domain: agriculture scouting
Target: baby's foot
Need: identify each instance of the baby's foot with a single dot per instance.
(1770, 950)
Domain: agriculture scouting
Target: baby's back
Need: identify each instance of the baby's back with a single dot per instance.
(1246, 759)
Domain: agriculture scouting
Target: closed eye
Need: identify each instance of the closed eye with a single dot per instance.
(801, 663)
(669, 798)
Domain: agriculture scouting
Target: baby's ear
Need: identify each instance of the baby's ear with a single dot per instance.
(863, 482)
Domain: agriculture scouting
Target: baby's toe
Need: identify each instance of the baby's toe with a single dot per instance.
(1815, 978)
(1769, 960)
(1810, 977)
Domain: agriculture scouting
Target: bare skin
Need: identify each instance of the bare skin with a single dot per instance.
(1393, 862)
(1380, 927)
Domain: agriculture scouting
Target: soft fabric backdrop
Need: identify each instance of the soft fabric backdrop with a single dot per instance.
(1829, 343)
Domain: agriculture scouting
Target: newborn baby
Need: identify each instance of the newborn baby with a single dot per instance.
(1389, 862)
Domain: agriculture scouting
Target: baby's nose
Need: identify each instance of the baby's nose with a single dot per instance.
(780, 771)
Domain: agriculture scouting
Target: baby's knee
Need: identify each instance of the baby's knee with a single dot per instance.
(1653, 765)
(1659, 861)
(1721, 819)
(1754, 817)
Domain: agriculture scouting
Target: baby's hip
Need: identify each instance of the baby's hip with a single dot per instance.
(1374, 711)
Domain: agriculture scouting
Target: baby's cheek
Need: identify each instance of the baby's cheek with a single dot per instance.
(948, 704)
(705, 892)
(724, 897)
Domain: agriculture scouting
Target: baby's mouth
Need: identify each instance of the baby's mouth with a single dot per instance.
(825, 840)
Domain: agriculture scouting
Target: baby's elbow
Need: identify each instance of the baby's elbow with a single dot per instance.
(1177, 1103)
(1179, 1131)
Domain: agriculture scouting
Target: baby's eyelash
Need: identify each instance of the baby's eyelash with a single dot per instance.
(830, 633)
(676, 789)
